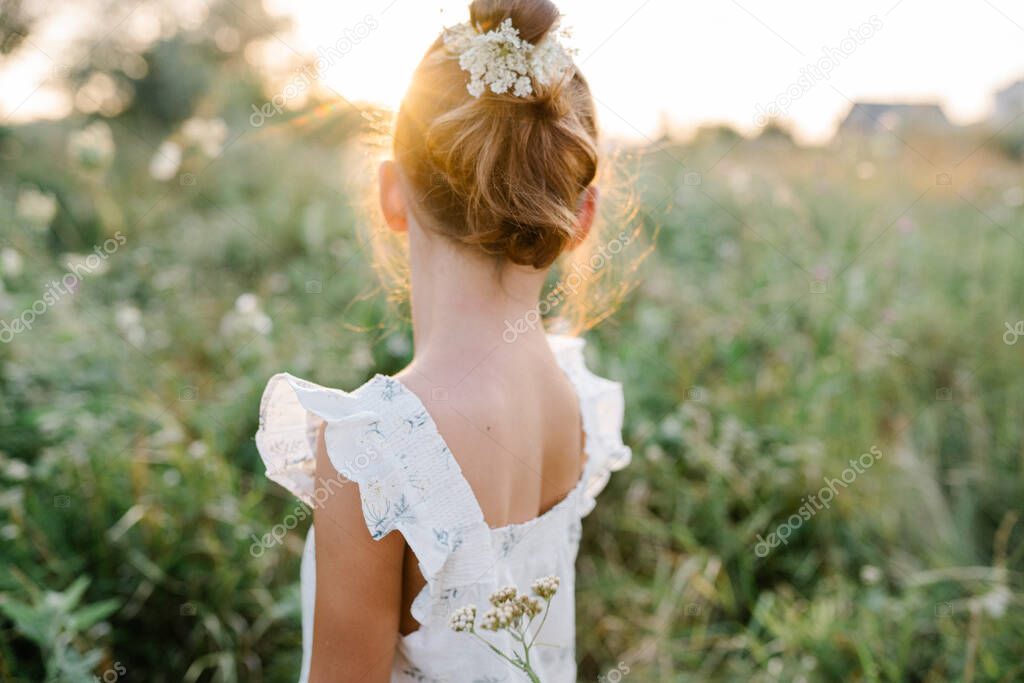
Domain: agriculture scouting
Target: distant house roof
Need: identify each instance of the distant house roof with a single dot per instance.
(868, 118)
(1013, 90)
(1010, 101)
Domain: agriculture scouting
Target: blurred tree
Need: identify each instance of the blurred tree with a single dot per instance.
(169, 57)
(15, 23)
(776, 131)
(716, 134)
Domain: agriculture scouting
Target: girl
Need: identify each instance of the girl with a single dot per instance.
(488, 449)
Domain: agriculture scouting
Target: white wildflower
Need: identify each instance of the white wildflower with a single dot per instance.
(166, 161)
(550, 61)
(489, 622)
(498, 617)
(36, 208)
(512, 611)
(92, 148)
(398, 345)
(246, 318)
(10, 262)
(247, 303)
(128, 319)
(206, 134)
(16, 470)
(995, 601)
(127, 316)
(528, 606)
(545, 587)
(523, 87)
(870, 574)
(503, 595)
(462, 619)
(502, 61)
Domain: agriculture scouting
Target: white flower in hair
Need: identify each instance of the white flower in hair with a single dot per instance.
(502, 61)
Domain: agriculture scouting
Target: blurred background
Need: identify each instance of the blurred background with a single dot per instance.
(822, 354)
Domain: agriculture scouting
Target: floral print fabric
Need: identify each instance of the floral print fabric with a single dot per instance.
(381, 437)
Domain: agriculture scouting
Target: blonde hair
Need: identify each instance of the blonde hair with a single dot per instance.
(502, 174)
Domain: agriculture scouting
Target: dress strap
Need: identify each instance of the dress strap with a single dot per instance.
(381, 437)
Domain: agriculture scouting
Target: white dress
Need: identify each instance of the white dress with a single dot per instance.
(382, 437)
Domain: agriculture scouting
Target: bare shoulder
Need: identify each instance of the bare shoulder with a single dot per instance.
(466, 408)
(472, 413)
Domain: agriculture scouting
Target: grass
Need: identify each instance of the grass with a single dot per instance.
(801, 307)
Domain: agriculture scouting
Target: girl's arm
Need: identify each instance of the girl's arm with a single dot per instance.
(358, 586)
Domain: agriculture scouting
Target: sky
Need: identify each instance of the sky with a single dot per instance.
(652, 61)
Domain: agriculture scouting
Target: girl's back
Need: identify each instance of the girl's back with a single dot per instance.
(512, 422)
(488, 449)
(448, 559)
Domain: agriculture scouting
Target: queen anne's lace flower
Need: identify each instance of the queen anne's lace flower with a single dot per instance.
(545, 587)
(531, 607)
(513, 611)
(462, 619)
(499, 617)
(489, 621)
(502, 61)
(503, 595)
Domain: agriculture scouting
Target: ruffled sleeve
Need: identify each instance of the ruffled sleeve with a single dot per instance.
(291, 412)
(382, 438)
(602, 407)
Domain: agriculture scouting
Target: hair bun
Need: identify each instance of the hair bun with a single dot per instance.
(533, 18)
(502, 174)
(531, 245)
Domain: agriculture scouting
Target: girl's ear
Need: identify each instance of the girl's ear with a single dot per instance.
(586, 214)
(393, 201)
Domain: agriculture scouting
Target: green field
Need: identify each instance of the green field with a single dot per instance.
(800, 308)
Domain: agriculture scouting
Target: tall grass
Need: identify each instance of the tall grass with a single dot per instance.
(802, 306)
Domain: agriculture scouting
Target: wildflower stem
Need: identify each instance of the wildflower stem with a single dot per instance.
(495, 649)
(544, 645)
(547, 608)
(521, 664)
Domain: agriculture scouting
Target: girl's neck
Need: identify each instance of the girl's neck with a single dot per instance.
(463, 306)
